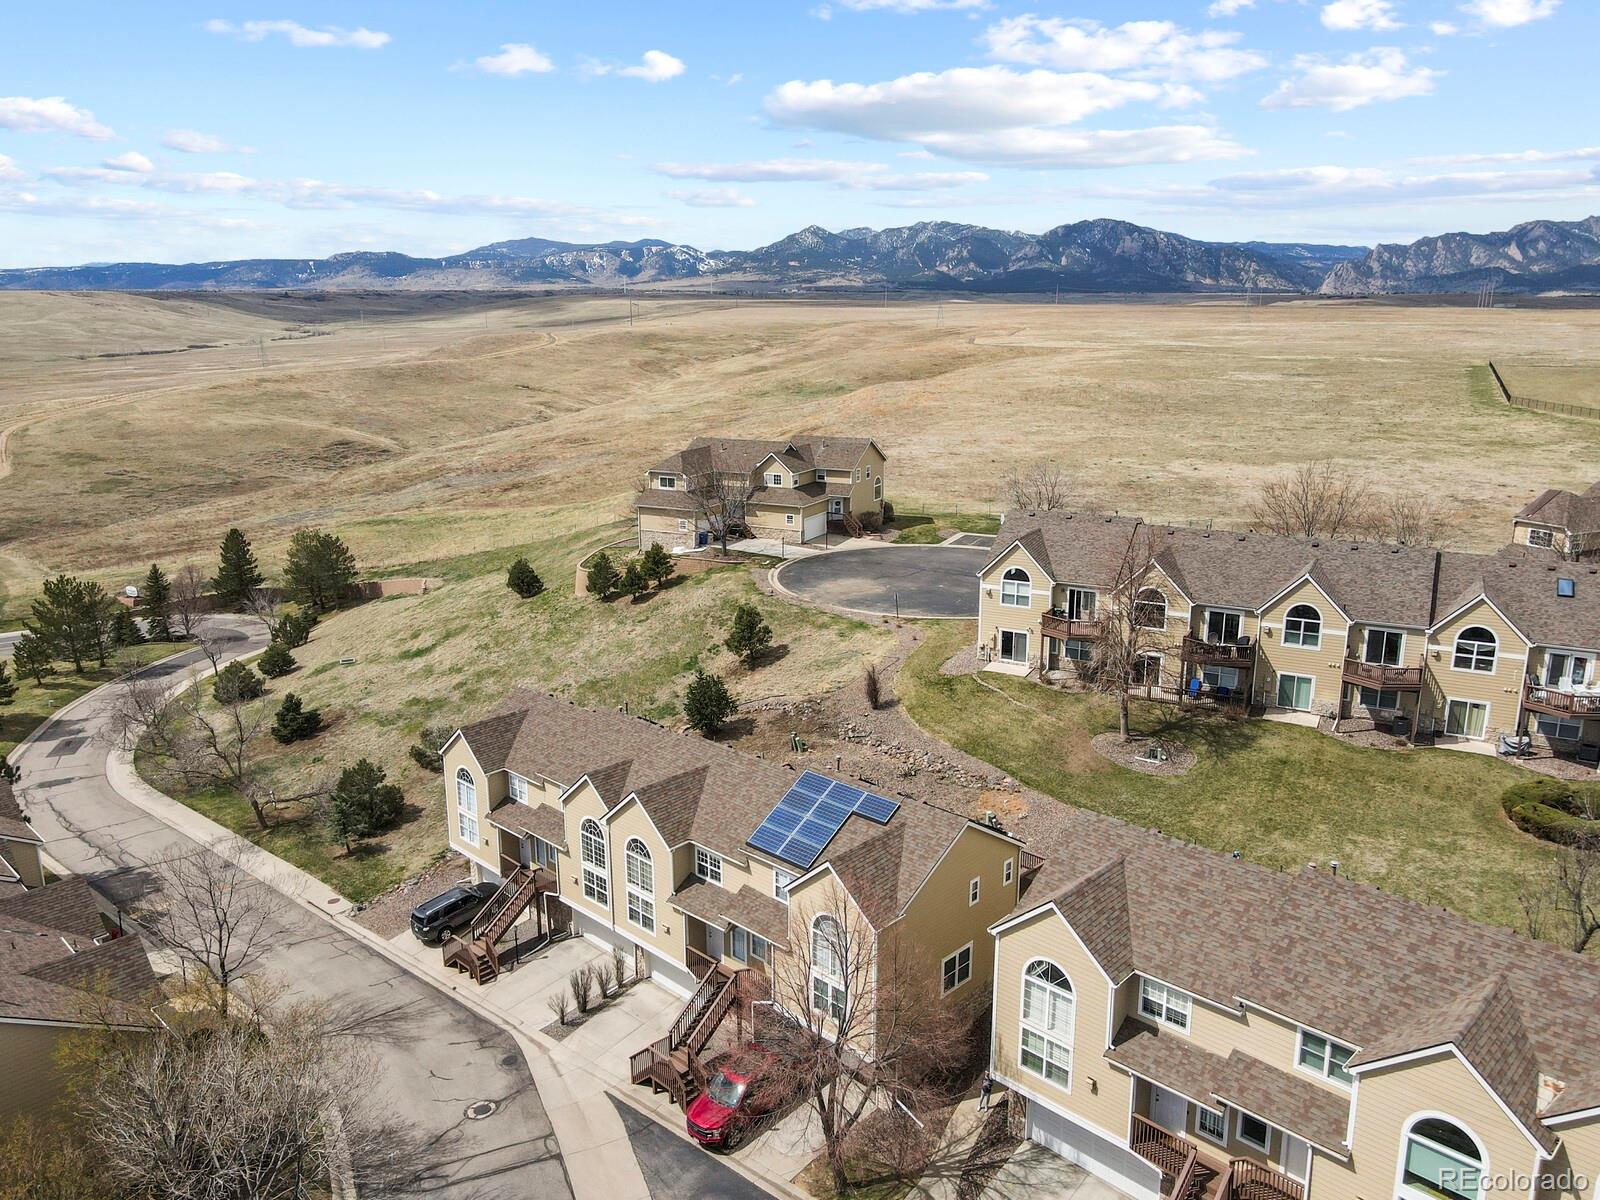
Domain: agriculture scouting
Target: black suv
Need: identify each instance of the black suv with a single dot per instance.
(434, 920)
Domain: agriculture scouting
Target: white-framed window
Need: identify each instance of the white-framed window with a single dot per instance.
(822, 475)
(1253, 1131)
(1016, 588)
(1146, 671)
(592, 845)
(1008, 872)
(857, 478)
(1465, 718)
(1302, 626)
(877, 488)
(1082, 603)
(516, 787)
(1048, 1003)
(1383, 647)
(1324, 1056)
(775, 479)
(828, 954)
(1295, 691)
(781, 880)
(668, 483)
(1014, 645)
(1440, 1160)
(1379, 699)
(1475, 647)
(1150, 609)
(1214, 675)
(1565, 669)
(683, 524)
(1211, 1124)
(957, 969)
(974, 889)
(466, 807)
(738, 943)
(707, 865)
(1541, 537)
(544, 853)
(1166, 1004)
(788, 518)
(1223, 626)
(641, 875)
(1561, 729)
(1077, 649)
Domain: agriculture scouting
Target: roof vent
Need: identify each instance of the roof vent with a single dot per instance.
(1566, 588)
(1315, 543)
(1239, 538)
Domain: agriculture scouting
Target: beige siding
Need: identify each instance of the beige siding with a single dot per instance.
(631, 821)
(770, 520)
(1324, 663)
(939, 921)
(1575, 1169)
(30, 1083)
(861, 497)
(670, 527)
(24, 860)
(994, 616)
(490, 791)
(822, 893)
(1501, 690)
(585, 802)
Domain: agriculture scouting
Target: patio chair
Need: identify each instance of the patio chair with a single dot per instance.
(1223, 691)
(1194, 688)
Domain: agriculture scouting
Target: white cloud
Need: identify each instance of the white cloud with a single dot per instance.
(1334, 185)
(300, 35)
(1149, 48)
(9, 171)
(655, 66)
(1442, 28)
(771, 170)
(909, 6)
(714, 198)
(515, 58)
(1229, 8)
(1090, 148)
(131, 161)
(50, 114)
(919, 181)
(1380, 74)
(1581, 154)
(1506, 13)
(1377, 15)
(191, 141)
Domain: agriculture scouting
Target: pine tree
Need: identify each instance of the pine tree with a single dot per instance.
(707, 704)
(750, 635)
(633, 583)
(32, 657)
(657, 564)
(236, 683)
(524, 580)
(362, 803)
(73, 618)
(157, 596)
(8, 689)
(294, 630)
(276, 661)
(124, 629)
(294, 722)
(320, 571)
(602, 576)
(237, 571)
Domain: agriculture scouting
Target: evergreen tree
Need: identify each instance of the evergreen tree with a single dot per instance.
(524, 580)
(73, 618)
(657, 564)
(294, 722)
(277, 661)
(320, 571)
(157, 597)
(425, 751)
(237, 682)
(363, 804)
(8, 689)
(237, 571)
(633, 582)
(124, 629)
(602, 576)
(32, 657)
(750, 635)
(707, 704)
(294, 630)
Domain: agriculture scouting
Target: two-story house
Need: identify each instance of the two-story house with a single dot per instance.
(20, 868)
(1462, 647)
(688, 854)
(1183, 1024)
(788, 491)
(1566, 522)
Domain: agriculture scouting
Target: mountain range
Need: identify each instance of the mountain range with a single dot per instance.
(1099, 255)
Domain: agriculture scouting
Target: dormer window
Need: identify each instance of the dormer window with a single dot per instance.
(1324, 1056)
(667, 482)
(1165, 1003)
(774, 479)
(1541, 537)
(707, 865)
(822, 476)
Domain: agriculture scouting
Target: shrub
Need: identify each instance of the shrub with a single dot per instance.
(657, 564)
(524, 580)
(619, 964)
(125, 630)
(1552, 809)
(294, 630)
(8, 689)
(602, 576)
(276, 662)
(236, 683)
(706, 704)
(561, 1005)
(362, 803)
(429, 745)
(888, 513)
(750, 635)
(873, 686)
(294, 721)
(581, 981)
(634, 583)
(605, 978)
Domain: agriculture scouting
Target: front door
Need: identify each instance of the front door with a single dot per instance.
(1169, 1110)
(714, 942)
(1296, 1157)
(525, 851)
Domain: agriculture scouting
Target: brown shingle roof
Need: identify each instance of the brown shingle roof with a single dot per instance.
(543, 821)
(1568, 510)
(1521, 582)
(747, 908)
(12, 826)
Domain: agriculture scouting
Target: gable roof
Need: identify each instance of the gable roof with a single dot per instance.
(12, 825)
(736, 456)
(1570, 511)
(1520, 581)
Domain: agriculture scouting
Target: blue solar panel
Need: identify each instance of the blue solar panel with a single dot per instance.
(812, 811)
(768, 839)
(877, 808)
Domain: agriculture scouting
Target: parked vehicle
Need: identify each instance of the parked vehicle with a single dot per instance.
(450, 911)
(741, 1094)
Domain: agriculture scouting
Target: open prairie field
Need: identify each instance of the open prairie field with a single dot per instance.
(426, 431)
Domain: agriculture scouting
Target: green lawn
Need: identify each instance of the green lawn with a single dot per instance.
(1424, 823)
(918, 528)
(36, 702)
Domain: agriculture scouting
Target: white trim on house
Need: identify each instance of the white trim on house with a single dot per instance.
(1410, 1056)
(1014, 544)
(945, 962)
(1307, 577)
(1480, 597)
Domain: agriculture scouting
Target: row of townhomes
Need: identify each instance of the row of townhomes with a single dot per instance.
(788, 491)
(1182, 1024)
(1456, 647)
(61, 968)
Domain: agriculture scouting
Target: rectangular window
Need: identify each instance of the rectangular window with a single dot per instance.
(544, 853)
(1220, 677)
(1559, 728)
(1146, 671)
(877, 488)
(669, 482)
(1379, 699)
(738, 944)
(683, 525)
(775, 479)
(641, 912)
(467, 827)
(1254, 1132)
(1211, 1124)
(1565, 671)
(827, 997)
(957, 968)
(759, 950)
(517, 787)
(1541, 537)
(1166, 1004)
(1081, 604)
(1077, 650)
(1384, 647)
(788, 518)
(1008, 872)
(1222, 628)
(707, 865)
(1294, 691)
(594, 885)
(973, 889)
(1324, 1057)
(781, 880)
(1016, 593)
(1465, 718)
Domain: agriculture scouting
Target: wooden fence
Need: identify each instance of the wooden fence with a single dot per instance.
(1555, 407)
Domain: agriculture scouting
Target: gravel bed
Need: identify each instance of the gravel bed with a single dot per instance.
(1126, 754)
(389, 913)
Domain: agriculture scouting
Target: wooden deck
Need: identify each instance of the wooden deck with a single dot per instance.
(1378, 675)
(1538, 698)
(1227, 654)
(1065, 628)
(1188, 1173)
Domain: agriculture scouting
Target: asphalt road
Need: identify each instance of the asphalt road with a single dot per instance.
(440, 1057)
(675, 1169)
(8, 642)
(911, 581)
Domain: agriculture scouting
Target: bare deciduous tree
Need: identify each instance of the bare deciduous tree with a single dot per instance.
(1316, 499)
(1043, 487)
(189, 601)
(723, 500)
(265, 604)
(1409, 521)
(1565, 906)
(1130, 627)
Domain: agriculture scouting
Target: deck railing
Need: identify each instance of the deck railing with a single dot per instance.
(1381, 675)
(1542, 698)
(1172, 1155)
(1057, 624)
(1198, 650)
(1252, 1181)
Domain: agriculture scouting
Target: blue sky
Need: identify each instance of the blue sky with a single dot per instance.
(181, 132)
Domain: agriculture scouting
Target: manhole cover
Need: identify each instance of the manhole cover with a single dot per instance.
(479, 1109)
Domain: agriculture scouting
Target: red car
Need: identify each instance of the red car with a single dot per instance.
(734, 1101)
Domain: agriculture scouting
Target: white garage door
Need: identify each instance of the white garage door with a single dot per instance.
(816, 526)
(1117, 1165)
(667, 974)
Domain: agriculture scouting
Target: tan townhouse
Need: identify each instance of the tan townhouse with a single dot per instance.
(788, 491)
(692, 856)
(1461, 648)
(1186, 1024)
(19, 847)
(1566, 522)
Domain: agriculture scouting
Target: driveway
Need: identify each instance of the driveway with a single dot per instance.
(909, 581)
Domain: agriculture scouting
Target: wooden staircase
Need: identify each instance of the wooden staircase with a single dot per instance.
(474, 951)
(672, 1064)
(851, 525)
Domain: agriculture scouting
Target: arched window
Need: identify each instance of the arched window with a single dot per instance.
(1302, 626)
(1150, 609)
(592, 842)
(1045, 1045)
(829, 952)
(641, 885)
(1441, 1160)
(1475, 648)
(466, 807)
(1016, 588)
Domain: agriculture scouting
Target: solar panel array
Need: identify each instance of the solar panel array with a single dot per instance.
(811, 812)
